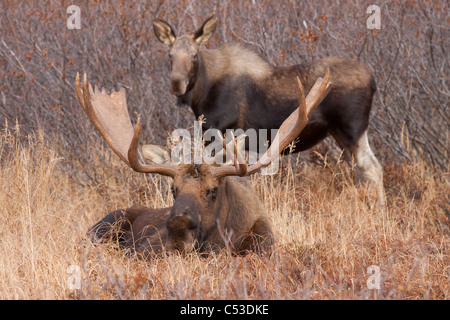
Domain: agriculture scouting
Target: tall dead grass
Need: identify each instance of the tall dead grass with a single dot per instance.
(327, 234)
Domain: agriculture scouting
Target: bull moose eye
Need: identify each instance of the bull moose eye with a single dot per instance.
(212, 194)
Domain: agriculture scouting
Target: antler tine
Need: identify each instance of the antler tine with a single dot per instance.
(93, 114)
(290, 128)
(239, 162)
(318, 92)
(296, 122)
(79, 93)
(110, 117)
(133, 157)
(239, 168)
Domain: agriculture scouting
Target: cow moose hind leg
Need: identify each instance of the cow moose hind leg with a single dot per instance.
(367, 168)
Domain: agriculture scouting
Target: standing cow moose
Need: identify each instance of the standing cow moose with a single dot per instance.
(235, 88)
(213, 208)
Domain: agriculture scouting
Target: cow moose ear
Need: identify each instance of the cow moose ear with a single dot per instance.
(156, 154)
(206, 31)
(164, 32)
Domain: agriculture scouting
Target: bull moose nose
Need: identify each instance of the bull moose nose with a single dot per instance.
(181, 222)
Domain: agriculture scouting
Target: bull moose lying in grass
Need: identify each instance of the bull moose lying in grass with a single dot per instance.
(214, 205)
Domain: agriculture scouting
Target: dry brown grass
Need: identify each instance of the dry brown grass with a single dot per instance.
(327, 235)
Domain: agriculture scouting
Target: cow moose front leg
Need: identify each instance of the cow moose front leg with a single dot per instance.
(367, 168)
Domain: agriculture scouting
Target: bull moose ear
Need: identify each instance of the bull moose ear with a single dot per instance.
(156, 154)
(164, 32)
(206, 31)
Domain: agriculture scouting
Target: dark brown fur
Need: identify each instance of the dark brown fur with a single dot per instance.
(208, 214)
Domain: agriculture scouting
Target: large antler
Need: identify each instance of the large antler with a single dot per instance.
(109, 114)
(288, 131)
